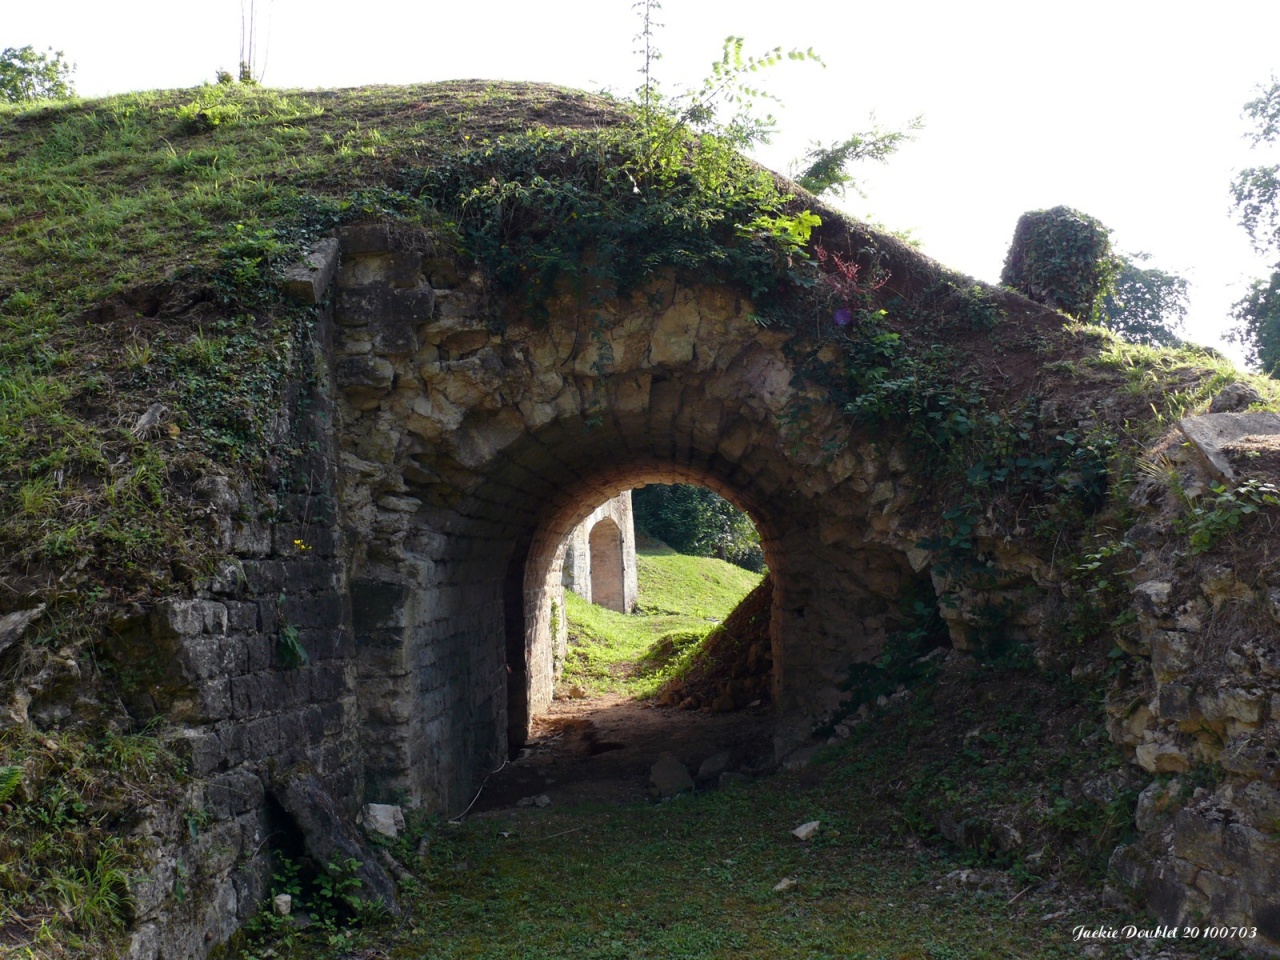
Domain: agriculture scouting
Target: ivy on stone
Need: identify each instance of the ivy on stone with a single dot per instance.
(1063, 259)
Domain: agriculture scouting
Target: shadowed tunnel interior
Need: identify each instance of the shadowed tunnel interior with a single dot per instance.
(472, 451)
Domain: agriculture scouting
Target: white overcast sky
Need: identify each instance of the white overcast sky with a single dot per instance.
(1127, 110)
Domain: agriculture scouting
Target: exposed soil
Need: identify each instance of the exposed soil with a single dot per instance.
(601, 750)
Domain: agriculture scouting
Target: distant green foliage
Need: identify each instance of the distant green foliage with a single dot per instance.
(1258, 324)
(1146, 305)
(1062, 258)
(826, 169)
(28, 75)
(696, 521)
(1256, 191)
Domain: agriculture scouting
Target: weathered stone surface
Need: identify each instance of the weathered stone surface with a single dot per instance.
(1158, 801)
(362, 238)
(1234, 397)
(1172, 654)
(13, 625)
(806, 830)
(308, 280)
(384, 818)
(713, 766)
(328, 838)
(392, 315)
(1162, 757)
(368, 372)
(1178, 703)
(669, 776)
(1210, 432)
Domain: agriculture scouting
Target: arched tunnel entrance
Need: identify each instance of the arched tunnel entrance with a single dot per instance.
(534, 592)
(470, 451)
(608, 572)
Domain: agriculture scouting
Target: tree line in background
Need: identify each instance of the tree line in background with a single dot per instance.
(695, 521)
(1256, 191)
(1063, 258)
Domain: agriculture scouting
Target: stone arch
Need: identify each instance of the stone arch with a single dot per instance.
(470, 450)
(608, 575)
(579, 567)
(533, 587)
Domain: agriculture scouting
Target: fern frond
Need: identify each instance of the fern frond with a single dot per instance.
(10, 777)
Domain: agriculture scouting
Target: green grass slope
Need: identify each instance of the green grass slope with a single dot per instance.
(141, 241)
(681, 599)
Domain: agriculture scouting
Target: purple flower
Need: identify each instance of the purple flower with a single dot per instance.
(842, 317)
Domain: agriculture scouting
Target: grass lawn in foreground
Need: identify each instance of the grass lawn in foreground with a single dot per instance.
(696, 878)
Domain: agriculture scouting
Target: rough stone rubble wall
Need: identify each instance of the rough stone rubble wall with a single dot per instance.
(212, 665)
(1204, 720)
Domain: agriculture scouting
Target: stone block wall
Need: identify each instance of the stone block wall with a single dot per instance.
(219, 666)
(472, 443)
(617, 573)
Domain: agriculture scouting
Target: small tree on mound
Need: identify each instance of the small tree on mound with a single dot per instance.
(1063, 259)
(26, 74)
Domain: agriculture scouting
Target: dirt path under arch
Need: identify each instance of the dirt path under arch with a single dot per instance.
(601, 750)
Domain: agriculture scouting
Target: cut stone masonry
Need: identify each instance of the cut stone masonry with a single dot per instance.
(392, 620)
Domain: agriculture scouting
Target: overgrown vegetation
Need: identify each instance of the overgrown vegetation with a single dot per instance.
(68, 858)
(1145, 305)
(1062, 258)
(26, 74)
(327, 916)
(1215, 517)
